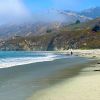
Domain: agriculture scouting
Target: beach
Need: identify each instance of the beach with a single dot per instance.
(83, 86)
(92, 53)
(20, 82)
(68, 78)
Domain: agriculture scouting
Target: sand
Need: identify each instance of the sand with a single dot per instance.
(84, 53)
(85, 86)
(88, 53)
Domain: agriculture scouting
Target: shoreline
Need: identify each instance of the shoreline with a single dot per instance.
(84, 86)
(55, 80)
(19, 83)
(78, 52)
(92, 53)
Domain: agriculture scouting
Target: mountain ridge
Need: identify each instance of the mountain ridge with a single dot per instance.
(75, 36)
(91, 12)
(39, 28)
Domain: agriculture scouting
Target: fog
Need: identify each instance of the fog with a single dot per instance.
(13, 11)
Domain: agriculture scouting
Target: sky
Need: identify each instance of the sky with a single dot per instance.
(14, 10)
(76, 5)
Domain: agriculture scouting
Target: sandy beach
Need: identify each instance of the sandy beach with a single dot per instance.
(95, 53)
(84, 86)
(69, 78)
(21, 82)
(83, 53)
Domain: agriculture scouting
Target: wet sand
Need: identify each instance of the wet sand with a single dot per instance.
(21, 82)
(83, 86)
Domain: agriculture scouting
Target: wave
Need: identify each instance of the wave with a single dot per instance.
(11, 61)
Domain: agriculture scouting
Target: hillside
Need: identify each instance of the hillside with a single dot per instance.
(26, 29)
(51, 19)
(91, 12)
(83, 26)
(76, 36)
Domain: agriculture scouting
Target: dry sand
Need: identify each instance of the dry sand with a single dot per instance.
(84, 53)
(88, 53)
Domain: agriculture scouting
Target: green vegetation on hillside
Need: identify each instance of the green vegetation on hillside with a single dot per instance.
(75, 36)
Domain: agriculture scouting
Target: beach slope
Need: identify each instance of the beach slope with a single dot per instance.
(85, 86)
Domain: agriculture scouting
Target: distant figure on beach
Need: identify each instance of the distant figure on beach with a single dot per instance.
(71, 53)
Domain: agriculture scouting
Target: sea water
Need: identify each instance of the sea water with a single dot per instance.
(13, 58)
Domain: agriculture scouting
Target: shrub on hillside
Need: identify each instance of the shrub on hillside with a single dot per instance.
(96, 28)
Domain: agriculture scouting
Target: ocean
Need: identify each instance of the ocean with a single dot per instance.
(13, 58)
(24, 73)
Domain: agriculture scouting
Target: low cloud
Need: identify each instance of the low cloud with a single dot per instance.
(13, 11)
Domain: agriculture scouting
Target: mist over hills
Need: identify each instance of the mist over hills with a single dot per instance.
(51, 19)
(92, 12)
(25, 29)
(43, 22)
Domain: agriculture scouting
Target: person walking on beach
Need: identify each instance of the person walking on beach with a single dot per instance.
(71, 52)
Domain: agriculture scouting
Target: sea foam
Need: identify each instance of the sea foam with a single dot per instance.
(15, 61)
